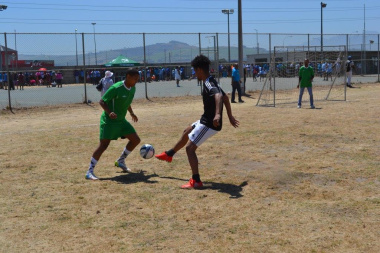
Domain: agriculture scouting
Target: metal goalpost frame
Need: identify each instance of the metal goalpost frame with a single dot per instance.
(335, 55)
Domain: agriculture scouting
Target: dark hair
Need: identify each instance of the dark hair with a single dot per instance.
(201, 62)
(132, 72)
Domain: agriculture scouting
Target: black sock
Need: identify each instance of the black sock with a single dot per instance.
(197, 178)
(170, 152)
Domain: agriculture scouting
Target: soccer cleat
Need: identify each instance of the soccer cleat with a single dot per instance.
(122, 166)
(192, 184)
(164, 157)
(91, 176)
(299, 107)
(312, 107)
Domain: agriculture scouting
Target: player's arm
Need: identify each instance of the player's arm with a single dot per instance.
(226, 101)
(218, 108)
(133, 115)
(105, 107)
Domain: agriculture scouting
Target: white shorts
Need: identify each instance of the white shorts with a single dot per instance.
(200, 133)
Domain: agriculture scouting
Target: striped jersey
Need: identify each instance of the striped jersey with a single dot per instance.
(210, 88)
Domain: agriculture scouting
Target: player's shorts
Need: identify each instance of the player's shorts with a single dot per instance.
(115, 129)
(200, 133)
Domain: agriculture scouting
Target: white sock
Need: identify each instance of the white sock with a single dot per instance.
(92, 165)
(124, 155)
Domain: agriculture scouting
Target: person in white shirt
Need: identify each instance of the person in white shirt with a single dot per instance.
(177, 76)
(107, 82)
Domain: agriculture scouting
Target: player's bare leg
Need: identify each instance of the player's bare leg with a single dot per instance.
(195, 181)
(134, 140)
(168, 155)
(103, 145)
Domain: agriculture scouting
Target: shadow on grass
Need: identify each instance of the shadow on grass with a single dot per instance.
(131, 178)
(233, 190)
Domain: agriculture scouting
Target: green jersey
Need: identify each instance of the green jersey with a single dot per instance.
(118, 98)
(306, 75)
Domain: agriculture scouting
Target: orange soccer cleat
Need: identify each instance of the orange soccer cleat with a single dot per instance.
(164, 157)
(192, 184)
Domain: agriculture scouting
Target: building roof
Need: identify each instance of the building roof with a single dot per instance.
(3, 49)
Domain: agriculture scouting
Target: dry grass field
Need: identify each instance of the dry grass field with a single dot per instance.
(286, 180)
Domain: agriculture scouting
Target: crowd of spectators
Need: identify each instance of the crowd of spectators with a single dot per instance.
(18, 80)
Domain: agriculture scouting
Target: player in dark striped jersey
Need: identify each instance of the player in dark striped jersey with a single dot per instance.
(209, 124)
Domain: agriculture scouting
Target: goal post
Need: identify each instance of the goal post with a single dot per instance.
(329, 83)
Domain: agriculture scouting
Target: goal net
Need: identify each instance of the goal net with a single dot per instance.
(280, 85)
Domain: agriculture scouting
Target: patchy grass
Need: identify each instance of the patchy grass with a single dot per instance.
(287, 180)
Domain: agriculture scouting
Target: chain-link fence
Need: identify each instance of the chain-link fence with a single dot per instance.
(32, 64)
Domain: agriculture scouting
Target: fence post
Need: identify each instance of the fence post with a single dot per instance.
(308, 45)
(378, 57)
(146, 85)
(84, 71)
(344, 67)
(8, 74)
(217, 56)
(272, 70)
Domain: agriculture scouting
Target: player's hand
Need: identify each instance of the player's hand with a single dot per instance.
(112, 115)
(234, 122)
(216, 121)
(134, 118)
(298, 86)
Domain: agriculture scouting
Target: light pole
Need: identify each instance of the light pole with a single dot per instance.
(96, 59)
(76, 46)
(228, 12)
(257, 41)
(323, 5)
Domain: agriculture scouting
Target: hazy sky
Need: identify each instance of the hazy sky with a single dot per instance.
(189, 16)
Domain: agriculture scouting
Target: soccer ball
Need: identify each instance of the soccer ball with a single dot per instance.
(147, 151)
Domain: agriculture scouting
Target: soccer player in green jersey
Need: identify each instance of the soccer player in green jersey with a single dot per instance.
(306, 76)
(113, 125)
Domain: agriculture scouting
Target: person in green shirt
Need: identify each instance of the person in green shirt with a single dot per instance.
(306, 75)
(116, 102)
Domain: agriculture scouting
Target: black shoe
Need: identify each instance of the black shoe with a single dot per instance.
(241, 101)
(233, 102)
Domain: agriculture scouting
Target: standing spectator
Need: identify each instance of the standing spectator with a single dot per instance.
(15, 77)
(236, 84)
(53, 76)
(76, 75)
(177, 76)
(48, 79)
(306, 76)
(59, 78)
(349, 66)
(27, 78)
(106, 81)
(81, 74)
(5, 81)
(21, 80)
